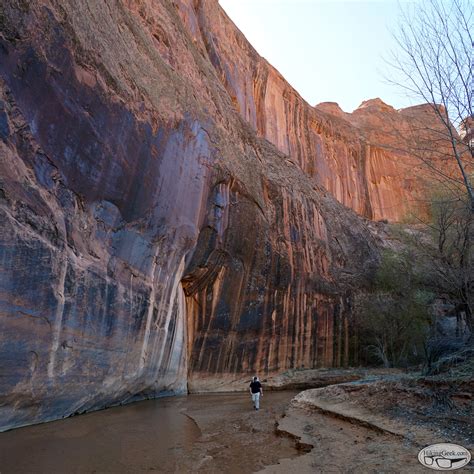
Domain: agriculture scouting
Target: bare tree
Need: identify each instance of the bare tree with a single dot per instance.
(434, 64)
(450, 259)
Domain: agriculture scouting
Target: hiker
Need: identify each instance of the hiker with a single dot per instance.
(256, 392)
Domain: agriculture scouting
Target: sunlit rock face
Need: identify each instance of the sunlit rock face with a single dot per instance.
(364, 159)
(168, 218)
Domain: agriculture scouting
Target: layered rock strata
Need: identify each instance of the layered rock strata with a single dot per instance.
(365, 159)
(150, 240)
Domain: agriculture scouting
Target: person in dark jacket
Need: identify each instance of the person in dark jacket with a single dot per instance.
(256, 392)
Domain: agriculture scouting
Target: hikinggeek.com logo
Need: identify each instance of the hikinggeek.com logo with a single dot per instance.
(444, 457)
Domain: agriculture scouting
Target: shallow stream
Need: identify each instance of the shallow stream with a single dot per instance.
(153, 436)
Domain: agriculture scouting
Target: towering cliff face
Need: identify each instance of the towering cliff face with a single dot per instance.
(364, 159)
(152, 237)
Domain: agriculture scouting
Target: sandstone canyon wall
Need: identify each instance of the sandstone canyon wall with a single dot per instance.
(365, 159)
(165, 220)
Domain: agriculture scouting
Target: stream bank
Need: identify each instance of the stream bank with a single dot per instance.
(362, 423)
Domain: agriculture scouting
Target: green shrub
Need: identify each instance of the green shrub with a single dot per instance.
(394, 318)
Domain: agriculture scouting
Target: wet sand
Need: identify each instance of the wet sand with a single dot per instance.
(198, 433)
(211, 434)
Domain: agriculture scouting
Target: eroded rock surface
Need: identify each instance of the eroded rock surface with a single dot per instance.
(365, 159)
(152, 236)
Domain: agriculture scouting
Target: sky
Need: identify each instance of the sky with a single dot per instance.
(328, 50)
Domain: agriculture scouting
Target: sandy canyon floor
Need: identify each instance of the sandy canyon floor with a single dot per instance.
(210, 434)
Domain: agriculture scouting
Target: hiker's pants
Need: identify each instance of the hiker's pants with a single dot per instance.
(256, 399)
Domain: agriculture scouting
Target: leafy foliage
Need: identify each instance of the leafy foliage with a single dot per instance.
(394, 317)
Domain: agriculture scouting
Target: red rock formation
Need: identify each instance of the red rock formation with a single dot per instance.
(466, 130)
(151, 237)
(374, 177)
